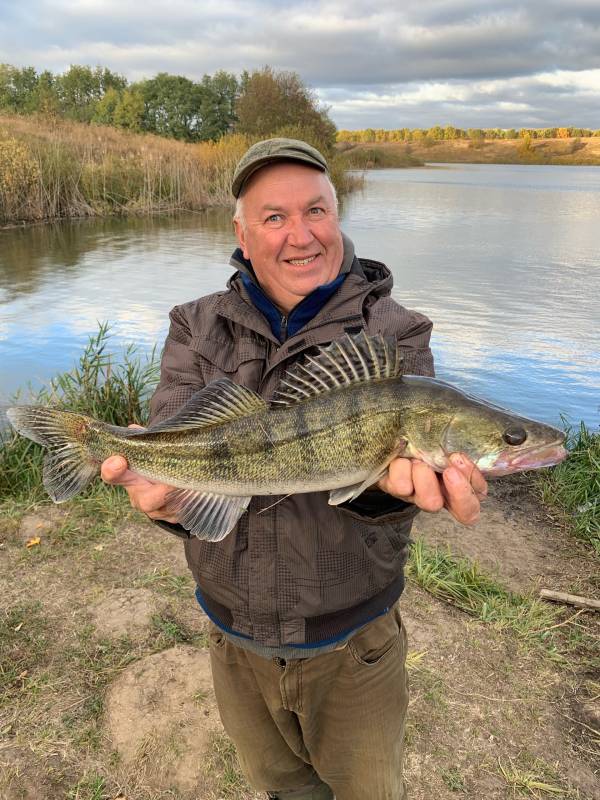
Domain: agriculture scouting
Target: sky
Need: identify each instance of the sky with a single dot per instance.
(469, 63)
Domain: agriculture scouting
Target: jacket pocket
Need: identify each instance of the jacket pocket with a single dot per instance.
(228, 354)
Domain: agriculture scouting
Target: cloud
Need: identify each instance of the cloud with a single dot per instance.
(421, 53)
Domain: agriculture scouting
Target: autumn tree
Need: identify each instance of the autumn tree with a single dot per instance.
(270, 101)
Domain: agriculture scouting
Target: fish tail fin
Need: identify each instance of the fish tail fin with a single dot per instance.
(68, 465)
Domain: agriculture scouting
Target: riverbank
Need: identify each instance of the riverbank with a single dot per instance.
(55, 169)
(105, 686)
(573, 151)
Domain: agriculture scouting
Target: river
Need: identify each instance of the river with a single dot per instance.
(504, 259)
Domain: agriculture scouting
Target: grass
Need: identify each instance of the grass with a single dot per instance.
(115, 389)
(461, 582)
(232, 784)
(528, 782)
(573, 487)
(23, 643)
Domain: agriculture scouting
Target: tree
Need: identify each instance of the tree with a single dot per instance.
(272, 100)
(81, 88)
(218, 96)
(17, 87)
(104, 113)
(172, 106)
(129, 111)
(45, 95)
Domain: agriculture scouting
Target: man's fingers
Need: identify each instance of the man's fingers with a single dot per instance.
(398, 479)
(461, 500)
(471, 472)
(415, 482)
(428, 494)
(113, 469)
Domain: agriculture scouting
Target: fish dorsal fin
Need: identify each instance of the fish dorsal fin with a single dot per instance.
(354, 359)
(218, 402)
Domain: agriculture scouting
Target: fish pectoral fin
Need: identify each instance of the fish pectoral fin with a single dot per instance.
(208, 516)
(218, 402)
(346, 493)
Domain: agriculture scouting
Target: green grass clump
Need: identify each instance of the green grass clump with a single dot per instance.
(100, 385)
(573, 487)
(461, 582)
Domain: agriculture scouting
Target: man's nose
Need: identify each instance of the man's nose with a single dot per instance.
(299, 233)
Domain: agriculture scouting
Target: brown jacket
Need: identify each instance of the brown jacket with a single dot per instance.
(299, 571)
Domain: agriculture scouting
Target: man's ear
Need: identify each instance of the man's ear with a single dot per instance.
(241, 236)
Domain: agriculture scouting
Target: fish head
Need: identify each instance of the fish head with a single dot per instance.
(500, 442)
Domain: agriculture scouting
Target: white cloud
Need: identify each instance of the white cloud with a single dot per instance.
(518, 61)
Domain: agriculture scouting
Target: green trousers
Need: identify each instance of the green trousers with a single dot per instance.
(312, 728)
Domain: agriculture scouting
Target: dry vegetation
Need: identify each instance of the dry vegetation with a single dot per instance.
(51, 169)
(575, 151)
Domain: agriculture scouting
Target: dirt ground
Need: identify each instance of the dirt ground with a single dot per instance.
(106, 677)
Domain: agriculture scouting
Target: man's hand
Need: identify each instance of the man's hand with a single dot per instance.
(459, 488)
(144, 495)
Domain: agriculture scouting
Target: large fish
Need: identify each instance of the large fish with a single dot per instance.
(335, 423)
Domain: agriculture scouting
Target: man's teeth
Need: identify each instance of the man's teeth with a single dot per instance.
(298, 262)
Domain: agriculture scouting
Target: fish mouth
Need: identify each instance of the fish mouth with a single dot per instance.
(545, 455)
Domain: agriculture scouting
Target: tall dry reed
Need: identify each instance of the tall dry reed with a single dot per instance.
(53, 168)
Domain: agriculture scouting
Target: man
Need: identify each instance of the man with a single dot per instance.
(307, 645)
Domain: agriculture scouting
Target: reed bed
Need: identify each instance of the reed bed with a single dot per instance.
(53, 169)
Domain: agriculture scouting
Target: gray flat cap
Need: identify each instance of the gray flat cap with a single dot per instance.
(271, 150)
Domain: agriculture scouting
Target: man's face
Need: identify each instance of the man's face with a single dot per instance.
(290, 231)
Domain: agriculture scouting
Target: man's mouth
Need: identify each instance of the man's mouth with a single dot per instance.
(300, 262)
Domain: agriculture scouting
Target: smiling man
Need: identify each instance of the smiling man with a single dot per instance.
(307, 644)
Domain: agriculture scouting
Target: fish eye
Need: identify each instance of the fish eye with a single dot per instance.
(514, 435)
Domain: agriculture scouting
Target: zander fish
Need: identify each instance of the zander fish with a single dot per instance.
(335, 423)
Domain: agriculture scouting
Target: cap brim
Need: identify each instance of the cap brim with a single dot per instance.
(240, 179)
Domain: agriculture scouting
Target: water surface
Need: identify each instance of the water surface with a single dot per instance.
(503, 258)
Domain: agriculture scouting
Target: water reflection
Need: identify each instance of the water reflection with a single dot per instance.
(504, 259)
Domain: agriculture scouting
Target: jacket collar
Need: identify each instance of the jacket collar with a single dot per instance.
(363, 278)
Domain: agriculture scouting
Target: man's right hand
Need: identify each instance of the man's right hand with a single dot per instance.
(144, 495)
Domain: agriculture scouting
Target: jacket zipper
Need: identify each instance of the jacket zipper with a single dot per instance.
(283, 329)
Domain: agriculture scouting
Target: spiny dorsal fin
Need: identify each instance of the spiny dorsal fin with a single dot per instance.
(354, 359)
(221, 401)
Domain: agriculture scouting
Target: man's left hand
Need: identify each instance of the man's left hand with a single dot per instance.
(459, 488)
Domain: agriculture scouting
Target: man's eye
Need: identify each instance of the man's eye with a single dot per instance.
(274, 218)
(316, 211)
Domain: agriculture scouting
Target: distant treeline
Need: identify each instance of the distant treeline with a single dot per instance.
(449, 133)
(256, 104)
